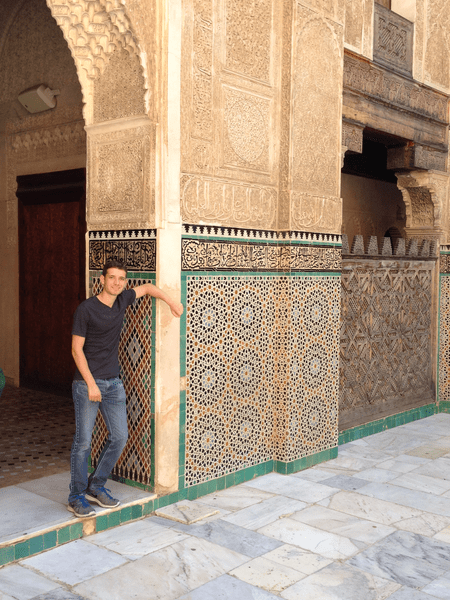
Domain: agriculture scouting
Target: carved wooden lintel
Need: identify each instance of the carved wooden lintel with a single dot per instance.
(416, 156)
(352, 136)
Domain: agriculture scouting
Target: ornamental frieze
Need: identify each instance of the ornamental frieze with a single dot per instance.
(138, 255)
(368, 79)
(221, 255)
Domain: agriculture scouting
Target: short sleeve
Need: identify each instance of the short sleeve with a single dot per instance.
(80, 321)
(130, 296)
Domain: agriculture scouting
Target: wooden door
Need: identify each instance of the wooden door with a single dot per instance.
(52, 283)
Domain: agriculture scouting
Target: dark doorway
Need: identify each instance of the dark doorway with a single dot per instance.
(52, 227)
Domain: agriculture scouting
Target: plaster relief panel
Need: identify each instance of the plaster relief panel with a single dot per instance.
(248, 38)
(207, 200)
(393, 40)
(245, 132)
(121, 164)
(202, 119)
(422, 213)
(316, 127)
(354, 23)
(316, 213)
(119, 91)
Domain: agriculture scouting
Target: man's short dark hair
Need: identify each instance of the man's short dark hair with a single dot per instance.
(114, 264)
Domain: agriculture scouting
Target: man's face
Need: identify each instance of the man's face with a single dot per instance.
(114, 281)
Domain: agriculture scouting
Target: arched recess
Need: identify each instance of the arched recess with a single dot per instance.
(425, 196)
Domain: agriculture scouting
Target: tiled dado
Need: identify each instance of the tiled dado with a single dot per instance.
(136, 249)
(444, 326)
(261, 351)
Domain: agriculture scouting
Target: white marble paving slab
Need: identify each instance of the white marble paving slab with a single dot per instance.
(58, 594)
(266, 574)
(165, 574)
(292, 487)
(340, 582)
(300, 560)
(236, 498)
(366, 453)
(344, 482)
(75, 562)
(227, 588)
(443, 535)
(22, 584)
(407, 593)
(371, 509)
(377, 475)
(6, 597)
(409, 559)
(427, 524)
(430, 451)
(423, 483)
(267, 511)
(35, 512)
(137, 539)
(56, 488)
(440, 587)
(328, 545)
(312, 474)
(405, 497)
(343, 524)
(232, 536)
(186, 512)
(439, 468)
(349, 463)
(398, 466)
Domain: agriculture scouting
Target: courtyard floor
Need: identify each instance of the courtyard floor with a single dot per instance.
(370, 525)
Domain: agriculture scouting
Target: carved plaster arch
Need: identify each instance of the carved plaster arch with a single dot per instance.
(424, 194)
(93, 29)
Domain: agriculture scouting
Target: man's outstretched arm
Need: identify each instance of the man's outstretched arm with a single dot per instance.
(149, 289)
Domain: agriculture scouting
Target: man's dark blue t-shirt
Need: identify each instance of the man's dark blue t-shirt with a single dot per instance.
(101, 325)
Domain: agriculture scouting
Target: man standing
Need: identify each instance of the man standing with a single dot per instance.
(95, 347)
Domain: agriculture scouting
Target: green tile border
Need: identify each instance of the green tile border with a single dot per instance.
(421, 412)
(287, 468)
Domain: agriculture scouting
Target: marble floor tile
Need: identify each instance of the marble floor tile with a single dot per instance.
(186, 512)
(427, 524)
(58, 594)
(423, 483)
(22, 584)
(443, 535)
(343, 524)
(313, 474)
(431, 451)
(35, 511)
(440, 587)
(227, 588)
(292, 487)
(233, 537)
(439, 468)
(349, 462)
(340, 582)
(397, 441)
(371, 509)
(267, 511)
(407, 593)
(137, 539)
(398, 466)
(414, 460)
(56, 488)
(366, 453)
(377, 475)
(75, 562)
(361, 442)
(328, 545)
(406, 497)
(406, 558)
(235, 498)
(300, 560)
(343, 482)
(164, 575)
(266, 574)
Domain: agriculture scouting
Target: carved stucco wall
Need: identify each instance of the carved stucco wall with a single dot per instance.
(437, 44)
(230, 55)
(316, 97)
(358, 33)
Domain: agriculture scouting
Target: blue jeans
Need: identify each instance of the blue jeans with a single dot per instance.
(113, 409)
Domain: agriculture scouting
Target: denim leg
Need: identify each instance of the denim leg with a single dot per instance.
(114, 412)
(85, 414)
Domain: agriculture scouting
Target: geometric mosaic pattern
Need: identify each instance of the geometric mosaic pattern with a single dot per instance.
(262, 370)
(135, 359)
(385, 336)
(444, 340)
